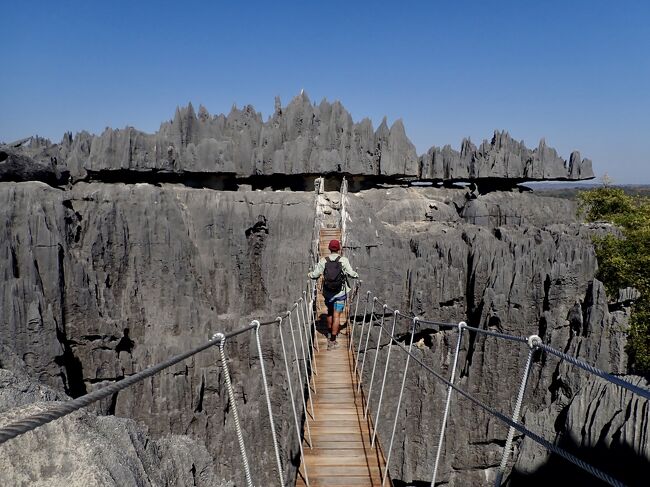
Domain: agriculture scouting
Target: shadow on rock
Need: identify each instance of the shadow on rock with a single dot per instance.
(618, 460)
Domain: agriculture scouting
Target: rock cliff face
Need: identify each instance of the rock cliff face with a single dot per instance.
(525, 269)
(16, 166)
(502, 157)
(603, 425)
(83, 449)
(105, 276)
(301, 138)
(103, 280)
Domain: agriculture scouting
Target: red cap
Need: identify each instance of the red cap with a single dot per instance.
(334, 245)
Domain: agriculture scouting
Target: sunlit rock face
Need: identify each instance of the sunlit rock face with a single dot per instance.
(153, 242)
(302, 138)
(103, 280)
(512, 262)
(84, 449)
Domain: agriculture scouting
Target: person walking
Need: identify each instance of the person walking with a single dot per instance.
(334, 268)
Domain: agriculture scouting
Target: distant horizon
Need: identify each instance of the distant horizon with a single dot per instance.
(567, 72)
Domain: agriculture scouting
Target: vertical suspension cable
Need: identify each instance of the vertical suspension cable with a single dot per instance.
(374, 364)
(231, 397)
(443, 426)
(314, 297)
(399, 401)
(304, 357)
(363, 324)
(533, 342)
(383, 381)
(293, 404)
(276, 448)
(306, 352)
(354, 323)
(365, 348)
(302, 384)
(310, 337)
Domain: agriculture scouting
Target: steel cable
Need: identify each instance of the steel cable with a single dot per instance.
(231, 396)
(293, 402)
(600, 373)
(374, 364)
(33, 421)
(522, 429)
(267, 395)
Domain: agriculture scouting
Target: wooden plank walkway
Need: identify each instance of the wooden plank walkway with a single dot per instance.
(340, 454)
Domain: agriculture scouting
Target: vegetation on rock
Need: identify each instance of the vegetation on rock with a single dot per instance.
(625, 261)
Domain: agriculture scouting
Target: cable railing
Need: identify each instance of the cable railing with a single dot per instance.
(302, 346)
(373, 319)
(299, 323)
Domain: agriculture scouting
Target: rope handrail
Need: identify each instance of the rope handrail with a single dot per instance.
(233, 404)
(306, 325)
(33, 421)
(513, 424)
(596, 371)
(504, 336)
(645, 393)
(19, 427)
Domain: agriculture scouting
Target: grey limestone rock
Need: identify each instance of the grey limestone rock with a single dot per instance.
(531, 274)
(502, 157)
(602, 424)
(103, 280)
(83, 449)
(16, 166)
(300, 139)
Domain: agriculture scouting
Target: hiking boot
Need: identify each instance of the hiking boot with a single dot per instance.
(333, 345)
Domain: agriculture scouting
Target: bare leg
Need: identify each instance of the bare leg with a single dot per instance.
(336, 322)
(329, 323)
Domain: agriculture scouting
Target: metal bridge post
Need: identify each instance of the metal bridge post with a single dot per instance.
(399, 401)
(374, 364)
(293, 404)
(231, 397)
(443, 427)
(276, 448)
(533, 343)
(383, 381)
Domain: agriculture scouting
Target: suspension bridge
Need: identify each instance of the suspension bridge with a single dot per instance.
(335, 413)
(332, 417)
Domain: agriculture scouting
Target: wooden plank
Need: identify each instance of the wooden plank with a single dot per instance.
(336, 422)
(340, 454)
(340, 482)
(346, 471)
(338, 445)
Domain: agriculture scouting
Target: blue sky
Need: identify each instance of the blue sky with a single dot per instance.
(574, 72)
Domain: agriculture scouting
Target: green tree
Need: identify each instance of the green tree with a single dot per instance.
(625, 260)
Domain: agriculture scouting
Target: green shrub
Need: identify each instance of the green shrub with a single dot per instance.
(625, 261)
